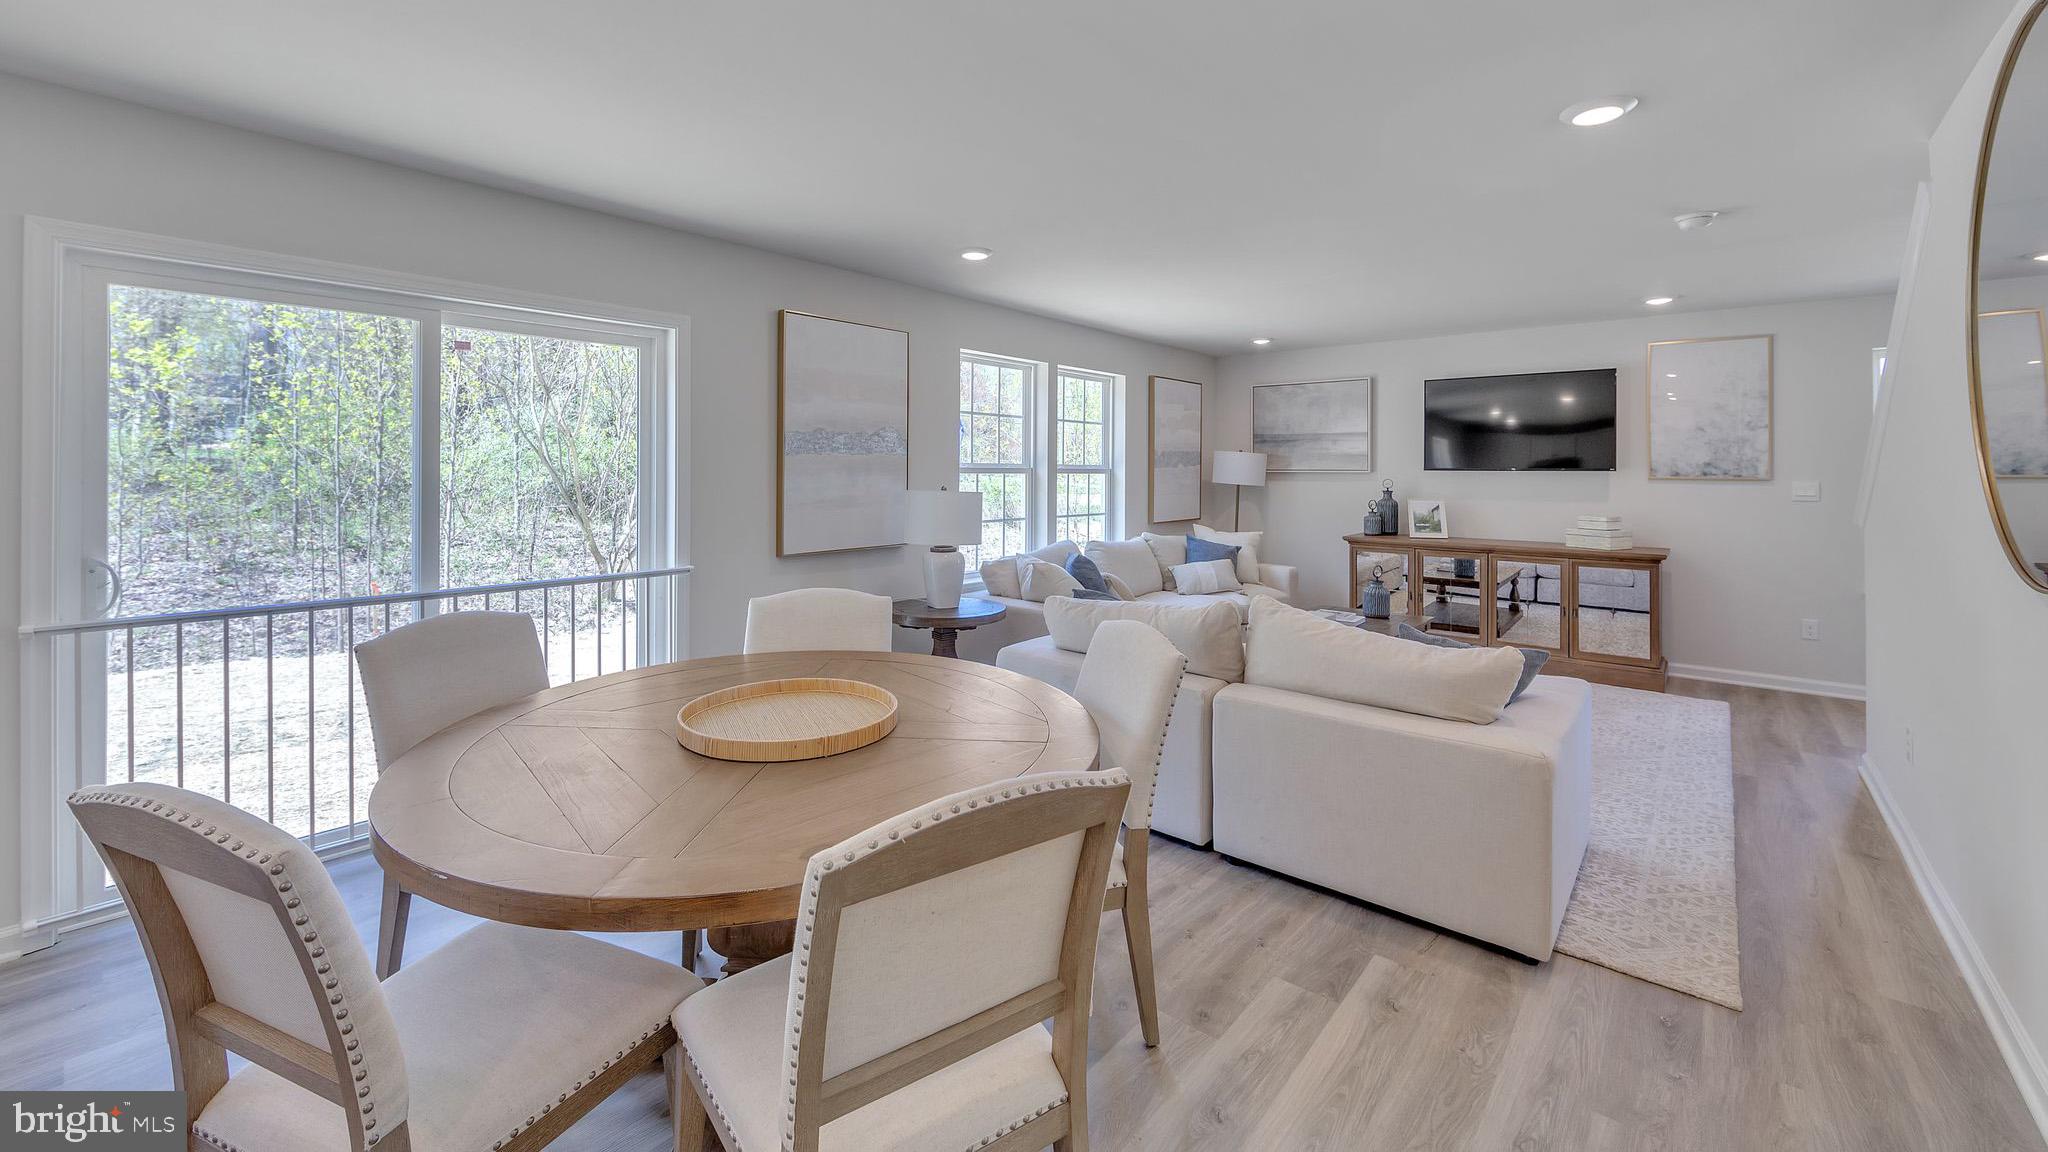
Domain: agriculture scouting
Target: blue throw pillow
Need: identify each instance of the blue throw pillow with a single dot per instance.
(1200, 550)
(1532, 659)
(1081, 568)
(1092, 594)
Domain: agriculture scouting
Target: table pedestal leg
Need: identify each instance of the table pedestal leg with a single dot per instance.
(943, 642)
(750, 944)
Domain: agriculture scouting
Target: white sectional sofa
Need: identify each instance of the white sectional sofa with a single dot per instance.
(1025, 619)
(1476, 827)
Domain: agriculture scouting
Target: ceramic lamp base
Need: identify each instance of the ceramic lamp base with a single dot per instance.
(945, 571)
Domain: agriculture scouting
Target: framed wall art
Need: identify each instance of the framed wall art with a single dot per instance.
(1314, 426)
(1174, 447)
(1709, 407)
(842, 431)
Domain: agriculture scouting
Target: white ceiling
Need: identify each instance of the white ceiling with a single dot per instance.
(1193, 171)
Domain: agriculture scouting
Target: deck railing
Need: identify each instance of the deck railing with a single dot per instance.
(259, 705)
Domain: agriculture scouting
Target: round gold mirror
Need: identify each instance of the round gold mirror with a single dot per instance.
(2008, 296)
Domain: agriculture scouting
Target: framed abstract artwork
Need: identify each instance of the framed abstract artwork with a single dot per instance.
(1315, 426)
(842, 431)
(1174, 447)
(1709, 405)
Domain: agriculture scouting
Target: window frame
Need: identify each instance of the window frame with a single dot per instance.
(1042, 469)
(1108, 469)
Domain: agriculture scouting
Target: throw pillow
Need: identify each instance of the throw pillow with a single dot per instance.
(1092, 594)
(1169, 551)
(1205, 578)
(1210, 635)
(1301, 652)
(1117, 585)
(1043, 580)
(1200, 550)
(999, 577)
(1083, 570)
(1247, 549)
(1130, 561)
(1532, 659)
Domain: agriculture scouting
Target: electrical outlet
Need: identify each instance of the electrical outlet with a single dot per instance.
(1809, 629)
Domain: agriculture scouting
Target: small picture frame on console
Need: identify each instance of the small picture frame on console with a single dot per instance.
(1428, 519)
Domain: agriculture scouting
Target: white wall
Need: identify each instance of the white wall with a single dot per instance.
(77, 157)
(1747, 564)
(1959, 662)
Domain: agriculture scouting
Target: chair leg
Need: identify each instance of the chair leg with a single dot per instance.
(1138, 934)
(391, 928)
(691, 939)
(684, 1107)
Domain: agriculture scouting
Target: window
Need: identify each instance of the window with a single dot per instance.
(1081, 456)
(1037, 487)
(996, 397)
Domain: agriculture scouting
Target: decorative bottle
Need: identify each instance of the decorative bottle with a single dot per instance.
(1376, 603)
(1389, 510)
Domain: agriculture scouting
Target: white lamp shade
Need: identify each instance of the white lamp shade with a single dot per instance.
(1240, 468)
(941, 517)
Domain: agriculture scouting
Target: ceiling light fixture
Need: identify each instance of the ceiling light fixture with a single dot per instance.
(1659, 301)
(1567, 398)
(1262, 341)
(1671, 375)
(2041, 256)
(1593, 113)
(975, 254)
(1694, 221)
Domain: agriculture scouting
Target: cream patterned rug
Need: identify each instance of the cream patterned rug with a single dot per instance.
(1656, 895)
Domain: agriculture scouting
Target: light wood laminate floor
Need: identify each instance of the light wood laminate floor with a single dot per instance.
(1295, 1020)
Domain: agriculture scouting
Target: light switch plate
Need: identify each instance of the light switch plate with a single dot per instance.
(1806, 491)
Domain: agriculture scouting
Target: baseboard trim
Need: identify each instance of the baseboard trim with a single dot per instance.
(16, 942)
(2029, 1073)
(1771, 680)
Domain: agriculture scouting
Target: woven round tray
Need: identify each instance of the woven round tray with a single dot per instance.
(776, 720)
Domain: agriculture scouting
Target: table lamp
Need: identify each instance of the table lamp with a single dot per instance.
(1238, 469)
(945, 520)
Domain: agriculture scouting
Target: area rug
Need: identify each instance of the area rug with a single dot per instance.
(1656, 895)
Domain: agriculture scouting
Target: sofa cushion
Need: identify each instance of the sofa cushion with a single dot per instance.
(1247, 549)
(1533, 659)
(1611, 577)
(1205, 577)
(1302, 652)
(1169, 551)
(1117, 587)
(1206, 633)
(1004, 575)
(1131, 561)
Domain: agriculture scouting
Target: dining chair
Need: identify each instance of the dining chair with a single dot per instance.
(829, 619)
(424, 677)
(930, 949)
(1129, 679)
(500, 1039)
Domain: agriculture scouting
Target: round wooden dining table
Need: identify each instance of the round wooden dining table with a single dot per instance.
(576, 808)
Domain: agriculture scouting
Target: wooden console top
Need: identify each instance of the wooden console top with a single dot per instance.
(1542, 549)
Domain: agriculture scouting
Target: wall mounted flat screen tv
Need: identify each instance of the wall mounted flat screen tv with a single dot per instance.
(1535, 422)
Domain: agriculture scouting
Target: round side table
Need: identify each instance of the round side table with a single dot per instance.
(947, 623)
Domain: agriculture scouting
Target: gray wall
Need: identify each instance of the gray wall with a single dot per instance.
(1959, 653)
(100, 161)
(1747, 564)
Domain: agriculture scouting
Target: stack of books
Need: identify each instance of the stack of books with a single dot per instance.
(1602, 532)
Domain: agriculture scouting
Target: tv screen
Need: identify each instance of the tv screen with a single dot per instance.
(1535, 422)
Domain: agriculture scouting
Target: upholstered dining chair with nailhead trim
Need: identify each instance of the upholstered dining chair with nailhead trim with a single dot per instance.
(1129, 681)
(499, 1039)
(819, 619)
(426, 676)
(936, 944)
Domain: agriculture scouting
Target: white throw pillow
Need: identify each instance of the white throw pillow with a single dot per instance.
(1130, 561)
(1116, 585)
(1205, 577)
(1209, 635)
(1000, 578)
(1170, 551)
(1043, 580)
(1247, 549)
(1301, 652)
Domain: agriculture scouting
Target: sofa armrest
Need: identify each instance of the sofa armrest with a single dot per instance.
(1282, 578)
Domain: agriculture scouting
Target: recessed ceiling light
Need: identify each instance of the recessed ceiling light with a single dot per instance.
(1671, 375)
(2041, 256)
(1262, 341)
(1659, 301)
(1568, 398)
(1593, 113)
(975, 254)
